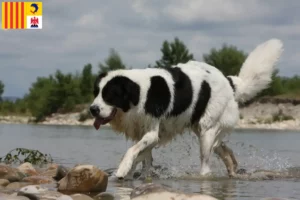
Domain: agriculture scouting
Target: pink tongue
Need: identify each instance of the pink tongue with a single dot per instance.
(97, 123)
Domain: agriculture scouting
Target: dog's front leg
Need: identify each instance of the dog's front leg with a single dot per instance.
(148, 140)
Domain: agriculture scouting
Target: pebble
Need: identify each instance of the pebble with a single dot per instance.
(104, 196)
(33, 189)
(27, 168)
(81, 197)
(11, 174)
(4, 182)
(61, 172)
(16, 185)
(37, 180)
(64, 197)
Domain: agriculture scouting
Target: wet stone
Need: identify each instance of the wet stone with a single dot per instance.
(37, 180)
(104, 196)
(11, 174)
(16, 185)
(84, 178)
(27, 169)
(60, 172)
(80, 197)
(4, 182)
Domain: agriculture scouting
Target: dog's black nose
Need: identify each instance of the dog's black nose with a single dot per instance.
(94, 110)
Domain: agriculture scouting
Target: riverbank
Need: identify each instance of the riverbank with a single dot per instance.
(258, 115)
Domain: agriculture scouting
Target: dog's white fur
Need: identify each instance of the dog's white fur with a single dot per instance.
(219, 118)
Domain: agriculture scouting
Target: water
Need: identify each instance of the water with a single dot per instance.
(254, 149)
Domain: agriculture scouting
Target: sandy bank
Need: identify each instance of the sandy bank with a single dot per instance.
(256, 115)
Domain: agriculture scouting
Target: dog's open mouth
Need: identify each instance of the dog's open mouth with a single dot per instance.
(101, 121)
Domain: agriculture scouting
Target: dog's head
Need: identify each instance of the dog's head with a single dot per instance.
(112, 93)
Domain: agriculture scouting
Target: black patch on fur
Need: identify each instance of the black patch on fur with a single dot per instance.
(207, 71)
(158, 97)
(96, 83)
(183, 92)
(231, 83)
(120, 92)
(201, 104)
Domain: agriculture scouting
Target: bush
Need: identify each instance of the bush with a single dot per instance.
(21, 155)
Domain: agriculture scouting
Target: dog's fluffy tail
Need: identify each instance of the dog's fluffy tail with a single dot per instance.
(256, 72)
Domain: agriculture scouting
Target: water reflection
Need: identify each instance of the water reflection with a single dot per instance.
(269, 150)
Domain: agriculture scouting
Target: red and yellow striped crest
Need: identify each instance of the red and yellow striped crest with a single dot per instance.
(17, 15)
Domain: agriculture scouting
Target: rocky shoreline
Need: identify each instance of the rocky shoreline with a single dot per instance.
(82, 182)
(266, 115)
(88, 182)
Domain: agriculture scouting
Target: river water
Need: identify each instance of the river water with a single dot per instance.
(254, 149)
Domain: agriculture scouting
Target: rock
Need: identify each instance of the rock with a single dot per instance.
(16, 185)
(81, 197)
(28, 169)
(33, 189)
(37, 180)
(11, 174)
(43, 195)
(64, 197)
(61, 172)
(84, 178)
(12, 197)
(274, 198)
(48, 173)
(49, 195)
(152, 191)
(25, 196)
(4, 182)
(2, 195)
(52, 166)
(104, 196)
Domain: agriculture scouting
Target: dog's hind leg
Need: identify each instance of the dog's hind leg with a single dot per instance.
(227, 157)
(146, 158)
(147, 163)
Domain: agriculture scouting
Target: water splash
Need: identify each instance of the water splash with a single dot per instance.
(181, 159)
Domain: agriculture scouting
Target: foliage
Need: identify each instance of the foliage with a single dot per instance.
(173, 53)
(21, 155)
(60, 92)
(228, 59)
(1, 89)
(65, 92)
(113, 62)
(86, 83)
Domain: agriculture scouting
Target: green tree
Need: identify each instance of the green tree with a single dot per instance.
(113, 62)
(1, 89)
(86, 83)
(57, 93)
(228, 59)
(173, 53)
(39, 97)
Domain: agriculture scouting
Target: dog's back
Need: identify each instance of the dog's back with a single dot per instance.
(177, 98)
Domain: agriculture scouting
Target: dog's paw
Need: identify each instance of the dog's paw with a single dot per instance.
(124, 169)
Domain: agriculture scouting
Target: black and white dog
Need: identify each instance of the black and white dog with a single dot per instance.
(151, 106)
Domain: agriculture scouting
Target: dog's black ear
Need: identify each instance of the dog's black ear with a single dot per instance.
(120, 92)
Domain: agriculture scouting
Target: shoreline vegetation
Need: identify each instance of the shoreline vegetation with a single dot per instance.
(63, 98)
(264, 113)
